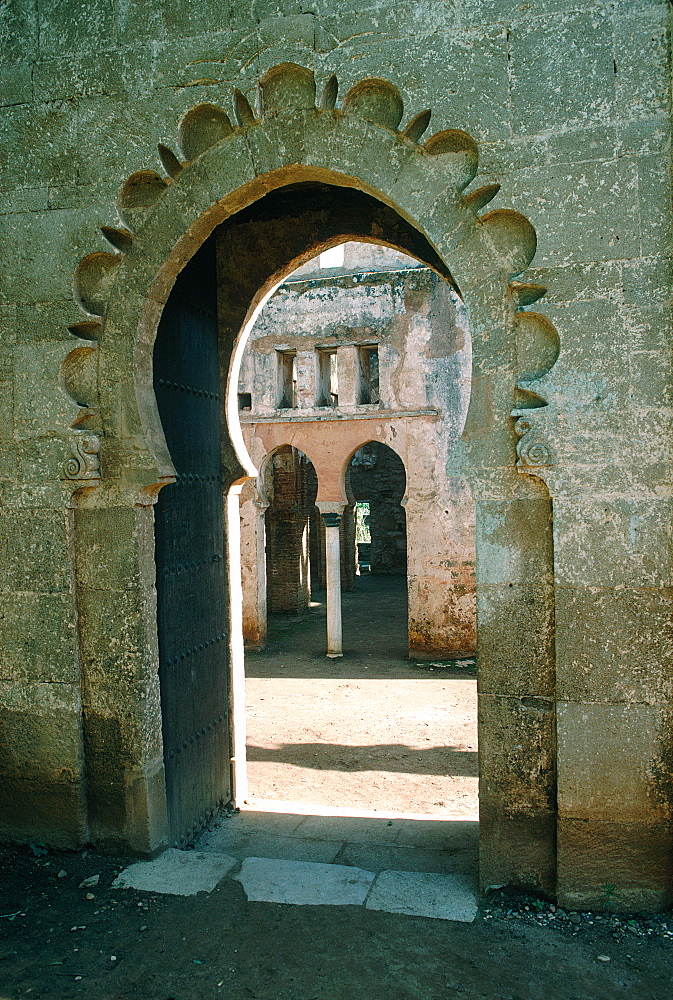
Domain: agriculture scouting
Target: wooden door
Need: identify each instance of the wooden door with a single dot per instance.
(192, 606)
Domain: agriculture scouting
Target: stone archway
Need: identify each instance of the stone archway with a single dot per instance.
(401, 192)
(290, 501)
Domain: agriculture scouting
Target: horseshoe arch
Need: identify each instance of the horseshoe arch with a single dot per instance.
(408, 194)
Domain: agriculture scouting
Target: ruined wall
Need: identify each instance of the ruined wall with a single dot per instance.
(287, 519)
(570, 108)
(420, 384)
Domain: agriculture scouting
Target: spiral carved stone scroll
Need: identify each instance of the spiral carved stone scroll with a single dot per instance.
(83, 463)
(532, 451)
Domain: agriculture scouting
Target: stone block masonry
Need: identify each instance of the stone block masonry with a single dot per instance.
(557, 113)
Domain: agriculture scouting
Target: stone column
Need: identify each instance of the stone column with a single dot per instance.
(305, 385)
(331, 515)
(253, 568)
(236, 655)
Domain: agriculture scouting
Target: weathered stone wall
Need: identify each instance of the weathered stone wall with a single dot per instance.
(571, 112)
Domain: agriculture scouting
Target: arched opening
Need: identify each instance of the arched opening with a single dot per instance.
(203, 318)
(290, 487)
(376, 481)
(377, 348)
(268, 211)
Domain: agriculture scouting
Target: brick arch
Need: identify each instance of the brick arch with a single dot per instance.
(287, 515)
(385, 444)
(263, 465)
(120, 460)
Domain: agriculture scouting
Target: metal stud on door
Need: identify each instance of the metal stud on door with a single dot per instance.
(190, 561)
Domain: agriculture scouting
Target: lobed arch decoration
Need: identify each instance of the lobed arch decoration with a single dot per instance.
(226, 169)
(402, 192)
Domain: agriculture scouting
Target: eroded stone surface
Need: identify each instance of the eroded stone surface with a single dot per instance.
(303, 883)
(177, 873)
(572, 120)
(443, 897)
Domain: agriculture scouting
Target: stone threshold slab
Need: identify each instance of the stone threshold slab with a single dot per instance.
(306, 883)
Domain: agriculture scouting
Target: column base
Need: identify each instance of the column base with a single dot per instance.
(333, 656)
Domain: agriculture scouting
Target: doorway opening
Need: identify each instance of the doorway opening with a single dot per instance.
(374, 403)
(290, 486)
(336, 738)
(377, 480)
(343, 175)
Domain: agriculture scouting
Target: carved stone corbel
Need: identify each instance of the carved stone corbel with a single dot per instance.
(84, 463)
(532, 450)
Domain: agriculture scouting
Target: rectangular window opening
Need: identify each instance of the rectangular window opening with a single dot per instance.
(245, 400)
(287, 380)
(327, 380)
(368, 374)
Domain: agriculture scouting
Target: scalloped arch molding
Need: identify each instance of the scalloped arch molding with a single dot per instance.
(225, 169)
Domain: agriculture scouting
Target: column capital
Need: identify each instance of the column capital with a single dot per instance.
(331, 511)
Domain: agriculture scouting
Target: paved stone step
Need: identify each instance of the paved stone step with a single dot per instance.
(307, 883)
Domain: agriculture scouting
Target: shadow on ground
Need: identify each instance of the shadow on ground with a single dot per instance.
(392, 757)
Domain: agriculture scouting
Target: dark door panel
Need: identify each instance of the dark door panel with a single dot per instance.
(189, 532)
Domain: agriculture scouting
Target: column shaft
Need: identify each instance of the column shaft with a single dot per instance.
(333, 560)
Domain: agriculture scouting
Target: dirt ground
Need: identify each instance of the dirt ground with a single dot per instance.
(121, 944)
(371, 729)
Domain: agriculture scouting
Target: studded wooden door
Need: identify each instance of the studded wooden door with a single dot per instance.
(190, 555)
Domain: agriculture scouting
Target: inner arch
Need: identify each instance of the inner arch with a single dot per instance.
(285, 229)
(209, 314)
(261, 245)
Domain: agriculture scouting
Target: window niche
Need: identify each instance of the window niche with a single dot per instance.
(327, 378)
(368, 374)
(287, 380)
